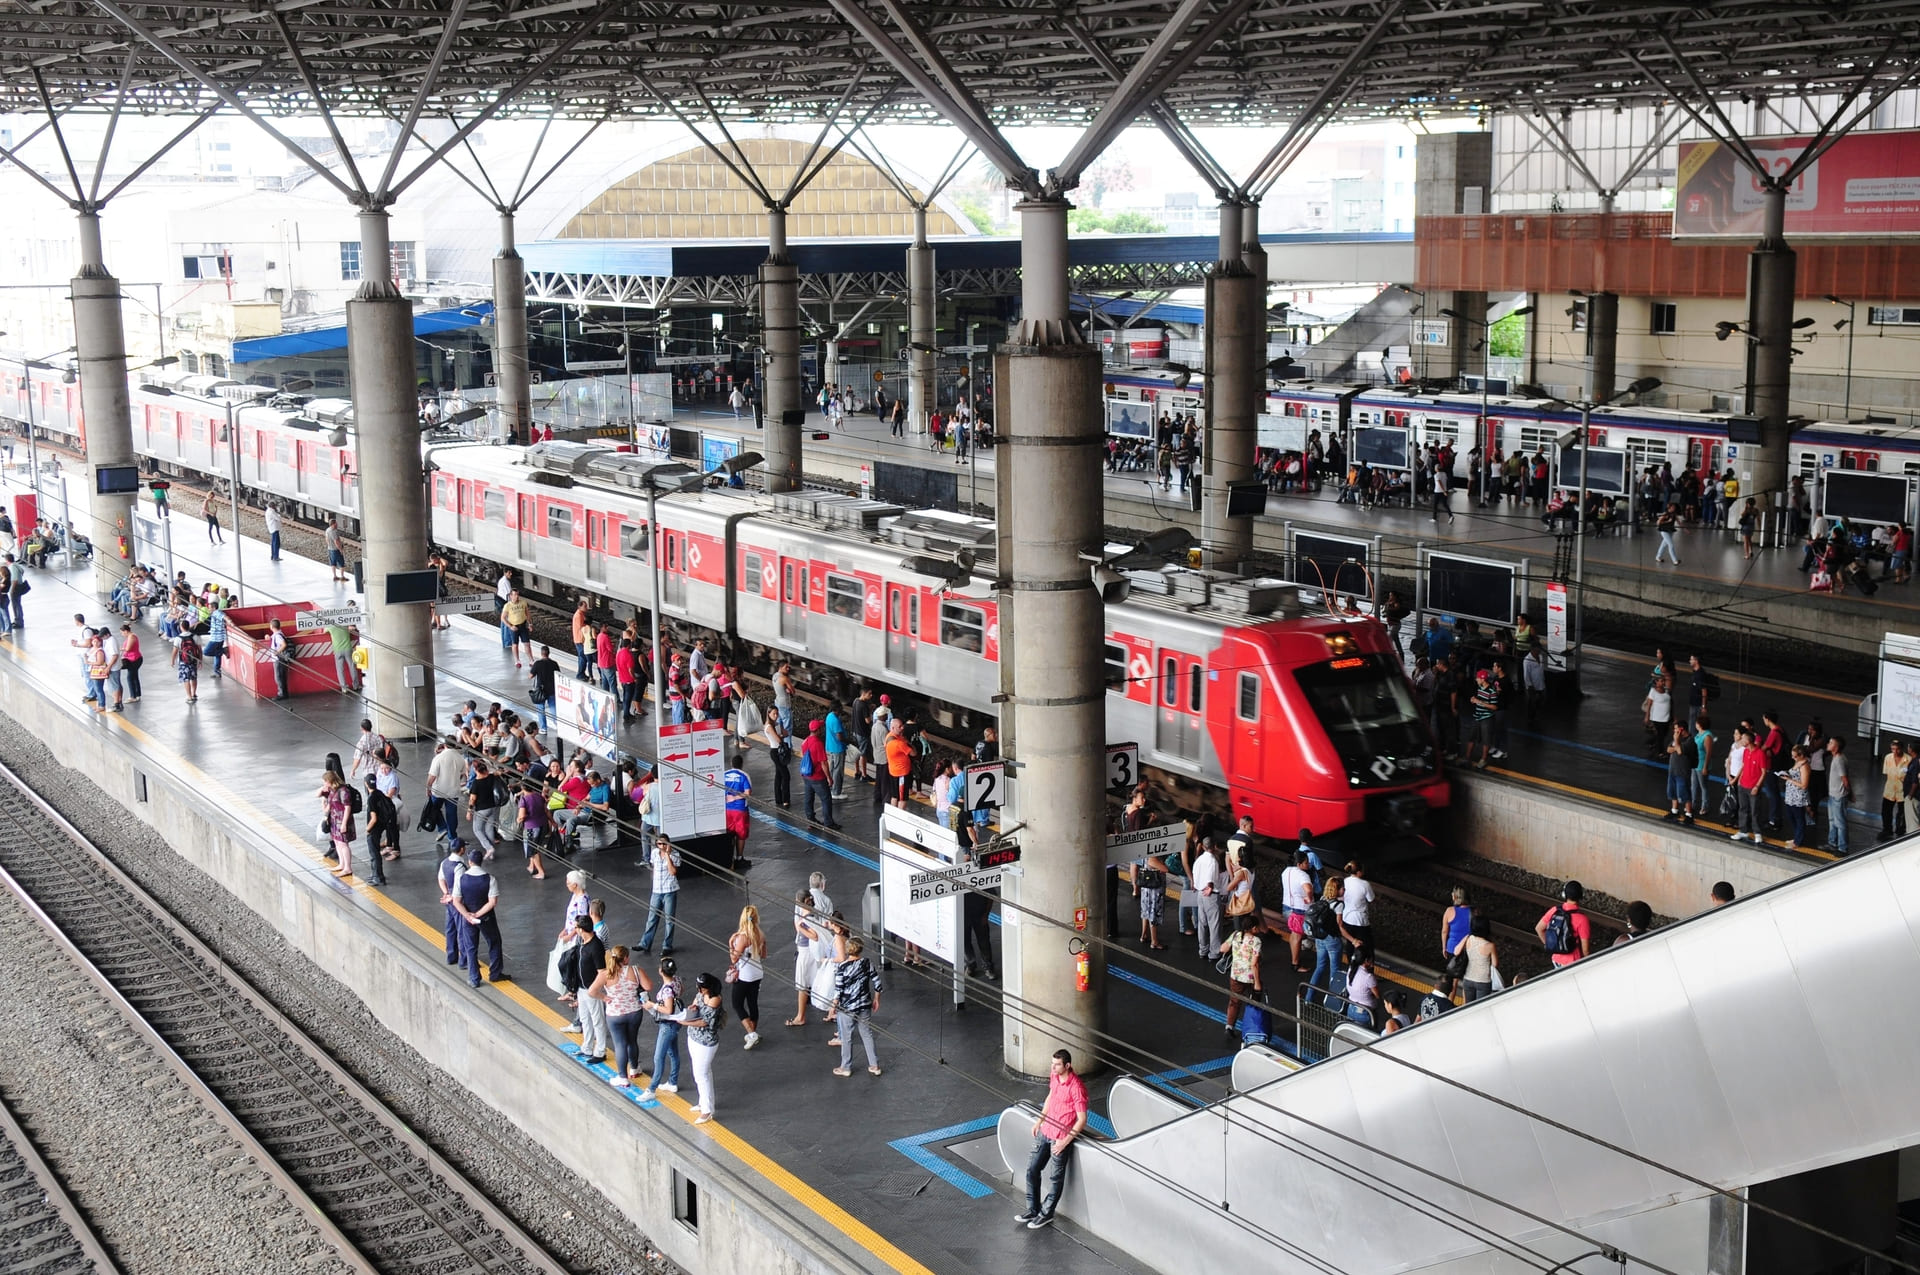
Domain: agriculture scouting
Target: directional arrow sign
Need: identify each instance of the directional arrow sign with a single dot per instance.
(1128, 847)
(924, 887)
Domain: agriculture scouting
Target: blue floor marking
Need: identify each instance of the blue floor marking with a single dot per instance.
(1166, 993)
(1168, 1080)
(629, 1091)
(915, 1149)
(1856, 811)
(794, 829)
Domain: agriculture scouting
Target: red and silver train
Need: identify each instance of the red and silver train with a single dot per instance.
(296, 447)
(1652, 435)
(1300, 722)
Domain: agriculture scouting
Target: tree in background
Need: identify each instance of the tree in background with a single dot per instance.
(1507, 338)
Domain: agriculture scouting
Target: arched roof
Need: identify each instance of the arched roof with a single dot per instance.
(694, 195)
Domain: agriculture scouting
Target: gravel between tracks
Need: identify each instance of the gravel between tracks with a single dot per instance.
(558, 1208)
(136, 1157)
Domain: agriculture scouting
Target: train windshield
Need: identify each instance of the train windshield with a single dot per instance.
(1367, 710)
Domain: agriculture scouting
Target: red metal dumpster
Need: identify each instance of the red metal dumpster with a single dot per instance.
(250, 661)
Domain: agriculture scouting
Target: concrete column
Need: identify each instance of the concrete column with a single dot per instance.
(921, 389)
(1770, 286)
(830, 363)
(100, 346)
(510, 380)
(393, 497)
(1459, 359)
(780, 330)
(1236, 350)
(1603, 333)
(1051, 422)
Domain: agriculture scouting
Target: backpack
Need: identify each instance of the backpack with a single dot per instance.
(388, 752)
(1419, 647)
(353, 799)
(806, 764)
(1321, 922)
(1561, 939)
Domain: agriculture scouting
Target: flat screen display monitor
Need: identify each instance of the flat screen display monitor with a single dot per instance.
(1862, 497)
(1743, 429)
(1381, 445)
(1246, 499)
(1129, 419)
(116, 480)
(1606, 469)
(1330, 563)
(412, 586)
(1472, 588)
(1281, 433)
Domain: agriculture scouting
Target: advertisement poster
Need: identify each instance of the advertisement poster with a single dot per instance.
(586, 716)
(1129, 419)
(1866, 184)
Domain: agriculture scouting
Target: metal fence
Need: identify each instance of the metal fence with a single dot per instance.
(1323, 1027)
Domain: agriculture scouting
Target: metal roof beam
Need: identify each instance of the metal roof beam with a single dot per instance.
(427, 83)
(1264, 173)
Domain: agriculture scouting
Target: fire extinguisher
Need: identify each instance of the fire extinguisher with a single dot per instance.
(1082, 965)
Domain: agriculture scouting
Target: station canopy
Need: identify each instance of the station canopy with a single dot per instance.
(1023, 61)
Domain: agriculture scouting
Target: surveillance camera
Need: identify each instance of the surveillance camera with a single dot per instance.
(1112, 586)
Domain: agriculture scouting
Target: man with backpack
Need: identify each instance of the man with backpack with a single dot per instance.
(1566, 931)
(813, 772)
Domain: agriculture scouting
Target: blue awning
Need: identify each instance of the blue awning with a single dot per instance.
(1126, 308)
(291, 345)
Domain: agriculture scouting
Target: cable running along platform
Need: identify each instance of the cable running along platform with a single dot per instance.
(374, 1191)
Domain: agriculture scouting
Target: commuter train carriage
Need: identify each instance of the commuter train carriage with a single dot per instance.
(54, 405)
(1299, 722)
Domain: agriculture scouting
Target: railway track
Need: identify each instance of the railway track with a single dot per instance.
(42, 1231)
(331, 1164)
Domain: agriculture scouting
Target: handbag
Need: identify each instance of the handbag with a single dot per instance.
(1457, 964)
(557, 984)
(1225, 962)
(1729, 804)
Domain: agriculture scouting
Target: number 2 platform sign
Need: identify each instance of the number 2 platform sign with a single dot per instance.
(692, 797)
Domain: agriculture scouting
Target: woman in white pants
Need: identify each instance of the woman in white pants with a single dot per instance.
(704, 1018)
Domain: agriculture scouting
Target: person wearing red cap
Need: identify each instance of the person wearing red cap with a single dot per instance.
(813, 772)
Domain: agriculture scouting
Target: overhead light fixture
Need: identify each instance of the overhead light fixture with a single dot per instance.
(1182, 375)
(1799, 324)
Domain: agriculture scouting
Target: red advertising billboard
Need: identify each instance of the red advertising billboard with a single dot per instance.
(1866, 184)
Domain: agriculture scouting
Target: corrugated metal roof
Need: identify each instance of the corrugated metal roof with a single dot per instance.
(289, 345)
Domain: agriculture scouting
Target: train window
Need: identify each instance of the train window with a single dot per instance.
(494, 507)
(440, 490)
(1249, 707)
(846, 597)
(1535, 438)
(1195, 683)
(1646, 451)
(1115, 673)
(750, 573)
(560, 523)
(282, 450)
(962, 627)
(913, 614)
(1170, 681)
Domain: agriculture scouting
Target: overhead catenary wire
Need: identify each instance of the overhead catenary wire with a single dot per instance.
(1211, 989)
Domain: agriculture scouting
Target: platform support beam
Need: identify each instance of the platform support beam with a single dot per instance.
(1236, 324)
(100, 349)
(1050, 409)
(921, 360)
(510, 380)
(780, 333)
(1603, 333)
(1770, 287)
(393, 494)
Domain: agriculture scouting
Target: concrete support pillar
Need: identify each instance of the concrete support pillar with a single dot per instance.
(780, 330)
(510, 380)
(830, 363)
(393, 497)
(100, 346)
(1459, 358)
(1056, 713)
(1236, 349)
(921, 389)
(1603, 334)
(1770, 285)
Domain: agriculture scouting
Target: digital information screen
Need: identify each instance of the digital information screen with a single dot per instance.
(1331, 563)
(1472, 588)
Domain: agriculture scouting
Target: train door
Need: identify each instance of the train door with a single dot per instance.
(302, 464)
(596, 547)
(1247, 735)
(528, 521)
(463, 511)
(1178, 726)
(793, 600)
(673, 568)
(903, 628)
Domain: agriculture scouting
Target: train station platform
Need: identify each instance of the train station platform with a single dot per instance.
(1716, 597)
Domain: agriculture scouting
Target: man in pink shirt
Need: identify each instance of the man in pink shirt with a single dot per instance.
(1064, 1116)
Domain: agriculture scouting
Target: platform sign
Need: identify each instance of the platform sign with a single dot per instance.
(1123, 765)
(327, 617)
(468, 604)
(1430, 331)
(1899, 689)
(925, 887)
(912, 847)
(1556, 626)
(693, 800)
(1130, 847)
(986, 785)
